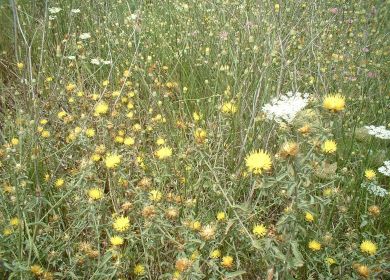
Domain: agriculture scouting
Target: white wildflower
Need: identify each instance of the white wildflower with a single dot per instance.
(75, 11)
(95, 61)
(107, 62)
(375, 189)
(385, 169)
(84, 36)
(54, 10)
(378, 131)
(71, 57)
(286, 107)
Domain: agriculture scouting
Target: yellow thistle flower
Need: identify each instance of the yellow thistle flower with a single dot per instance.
(200, 135)
(129, 141)
(334, 102)
(101, 108)
(155, 195)
(59, 183)
(95, 193)
(227, 261)
(258, 161)
(121, 224)
(163, 153)
(116, 240)
(36, 269)
(370, 174)
(259, 230)
(112, 161)
(314, 245)
(329, 147)
(14, 141)
(330, 261)
(14, 222)
(368, 247)
(309, 217)
(215, 254)
(90, 132)
(139, 270)
(221, 216)
(228, 108)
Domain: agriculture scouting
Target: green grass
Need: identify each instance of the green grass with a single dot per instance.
(186, 58)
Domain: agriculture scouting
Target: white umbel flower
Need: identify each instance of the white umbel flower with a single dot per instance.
(84, 36)
(375, 189)
(385, 169)
(54, 10)
(286, 107)
(378, 131)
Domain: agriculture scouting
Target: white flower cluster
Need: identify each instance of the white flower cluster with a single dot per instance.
(54, 10)
(385, 169)
(378, 131)
(84, 36)
(98, 61)
(375, 190)
(286, 107)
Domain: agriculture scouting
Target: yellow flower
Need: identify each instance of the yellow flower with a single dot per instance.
(139, 270)
(121, 224)
(95, 193)
(155, 195)
(314, 245)
(59, 183)
(112, 161)
(370, 174)
(227, 261)
(105, 83)
(45, 134)
(228, 108)
(160, 141)
(197, 117)
(70, 87)
(14, 141)
(14, 222)
(368, 247)
(200, 135)
(20, 65)
(309, 217)
(329, 261)
(258, 161)
(163, 152)
(116, 240)
(329, 147)
(221, 216)
(259, 230)
(215, 254)
(196, 225)
(36, 269)
(101, 108)
(90, 132)
(334, 102)
(129, 141)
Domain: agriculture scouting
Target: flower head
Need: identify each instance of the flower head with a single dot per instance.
(155, 195)
(101, 108)
(334, 102)
(163, 153)
(228, 108)
(314, 245)
(112, 161)
(139, 269)
(227, 261)
(258, 161)
(286, 107)
(309, 217)
(369, 174)
(368, 247)
(116, 240)
(121, 224)
(215, 254)
(329, 147)
(259, 230)
(95, 193)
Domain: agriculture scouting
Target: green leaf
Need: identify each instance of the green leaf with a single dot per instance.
(235, 273)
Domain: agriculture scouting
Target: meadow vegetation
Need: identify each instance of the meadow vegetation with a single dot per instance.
(189, 139)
